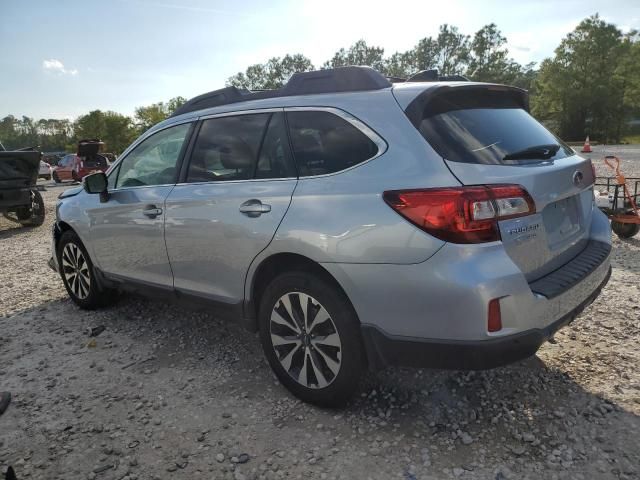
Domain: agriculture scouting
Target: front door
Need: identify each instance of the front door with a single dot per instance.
(127, 231)
(236, 190)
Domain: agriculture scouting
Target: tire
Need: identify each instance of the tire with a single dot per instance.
(55, 177)
(34, 215)
(625, 230)
(332, 349)
(78, 274)
(74, 177)
(48, 177)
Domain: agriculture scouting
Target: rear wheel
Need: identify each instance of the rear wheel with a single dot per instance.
(625, 230)
(56, 178)
(311, 337)
(78, 274)
(32, 216)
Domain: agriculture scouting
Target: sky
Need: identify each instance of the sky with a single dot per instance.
(63, 58)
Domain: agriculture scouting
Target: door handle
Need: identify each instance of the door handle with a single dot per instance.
(254, 208)
(152, 211)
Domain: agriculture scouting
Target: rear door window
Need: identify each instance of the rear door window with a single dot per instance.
(227, 148)
(487, 127)
(325, 143)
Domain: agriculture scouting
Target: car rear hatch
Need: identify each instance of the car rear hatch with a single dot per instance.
(486, 136)
(88, 152)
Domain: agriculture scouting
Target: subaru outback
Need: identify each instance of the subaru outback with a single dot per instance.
(353, 222)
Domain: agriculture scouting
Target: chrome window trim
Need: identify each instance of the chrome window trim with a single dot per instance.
(124, 189)
(254, 111)
(221, 182)
(357, 123)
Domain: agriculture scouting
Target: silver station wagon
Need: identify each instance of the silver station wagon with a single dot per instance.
(354, 222)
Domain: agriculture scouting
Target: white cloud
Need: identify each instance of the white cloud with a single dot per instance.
(56, 66)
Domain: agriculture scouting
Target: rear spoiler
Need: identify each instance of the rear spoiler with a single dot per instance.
(415, 109)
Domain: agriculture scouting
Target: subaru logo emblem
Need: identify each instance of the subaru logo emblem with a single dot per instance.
(577, 178)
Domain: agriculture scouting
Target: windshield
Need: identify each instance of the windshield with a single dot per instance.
(487, 127)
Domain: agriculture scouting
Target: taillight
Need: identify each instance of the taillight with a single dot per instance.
(462, 214)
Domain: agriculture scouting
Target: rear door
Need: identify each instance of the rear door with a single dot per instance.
(236, 189)
(486, 136)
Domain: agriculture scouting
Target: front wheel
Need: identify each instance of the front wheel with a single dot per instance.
(78, 274)
(625, 230)
(311, 337)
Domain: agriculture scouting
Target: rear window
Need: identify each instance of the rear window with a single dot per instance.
(96, 161)
(484, 126)
(325, 143)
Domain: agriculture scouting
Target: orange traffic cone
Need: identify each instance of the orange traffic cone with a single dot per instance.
(587, 146)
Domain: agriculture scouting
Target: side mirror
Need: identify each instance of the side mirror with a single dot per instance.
(96, 183)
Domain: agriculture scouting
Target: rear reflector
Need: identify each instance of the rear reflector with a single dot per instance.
(462, 214)
(494, 318)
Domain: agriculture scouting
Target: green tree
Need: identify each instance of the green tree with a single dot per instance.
(272, 74)
(358, 54)
(578, 91)
(400, 65)
(489, 58)
(116, 130)
(147, 117)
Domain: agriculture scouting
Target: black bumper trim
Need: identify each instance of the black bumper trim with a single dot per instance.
(571, 273)
(383, 349)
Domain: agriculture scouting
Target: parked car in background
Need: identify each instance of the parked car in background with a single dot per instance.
(52, 158)
(74, 167)
(351, 221)
(45, 170)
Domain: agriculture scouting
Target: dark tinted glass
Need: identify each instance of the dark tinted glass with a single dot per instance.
(325, 143)
(227, 148)
(95, 161)
(478, 127)
(275, 158)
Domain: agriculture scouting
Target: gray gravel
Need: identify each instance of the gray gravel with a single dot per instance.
(167, 394)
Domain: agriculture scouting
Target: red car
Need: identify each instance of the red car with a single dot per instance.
(87, 160)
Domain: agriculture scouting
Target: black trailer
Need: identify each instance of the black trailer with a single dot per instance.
(20, 200)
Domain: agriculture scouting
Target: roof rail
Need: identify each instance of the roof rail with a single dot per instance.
(334, 80)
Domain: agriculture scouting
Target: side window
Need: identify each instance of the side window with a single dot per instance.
(275, 157)
(227, 148)
(325, 143)
(153, 162)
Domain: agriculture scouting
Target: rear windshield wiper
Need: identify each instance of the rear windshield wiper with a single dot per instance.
(537, 152)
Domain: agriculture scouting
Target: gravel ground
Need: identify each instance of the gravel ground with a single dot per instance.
(168, 394)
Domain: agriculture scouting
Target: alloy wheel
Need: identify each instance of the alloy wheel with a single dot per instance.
(306, 340)
(76, 270)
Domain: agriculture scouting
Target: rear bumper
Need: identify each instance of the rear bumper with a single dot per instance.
(384, 349)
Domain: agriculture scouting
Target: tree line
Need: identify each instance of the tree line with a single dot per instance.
(115, 129)
(590, 86)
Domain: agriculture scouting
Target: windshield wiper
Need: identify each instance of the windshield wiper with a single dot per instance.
(538, 152)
